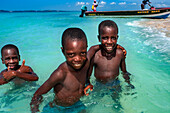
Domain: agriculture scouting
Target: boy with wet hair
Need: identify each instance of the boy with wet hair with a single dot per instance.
(68, 80)
(110, 57)
(15, 72)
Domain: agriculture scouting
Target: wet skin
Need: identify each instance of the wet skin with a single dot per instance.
(21, 73)
(108, 59)
(68, 80)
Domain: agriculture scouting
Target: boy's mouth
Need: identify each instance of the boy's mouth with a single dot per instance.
(109, 48)
(11, 66)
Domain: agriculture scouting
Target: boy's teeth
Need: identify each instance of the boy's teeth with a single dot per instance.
(77, 64)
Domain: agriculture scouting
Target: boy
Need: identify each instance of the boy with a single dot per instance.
(111, 56)
(69, 79)
(15, 72)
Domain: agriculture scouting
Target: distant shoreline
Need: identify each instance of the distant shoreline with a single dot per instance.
(6, 11)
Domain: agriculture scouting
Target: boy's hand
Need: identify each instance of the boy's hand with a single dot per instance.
(9, 75)
(23, 68)
(88, 87)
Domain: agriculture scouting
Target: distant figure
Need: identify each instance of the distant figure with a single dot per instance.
(68, 80)
(15, 72)
(94, 6)
(144, 2)
(83, 10)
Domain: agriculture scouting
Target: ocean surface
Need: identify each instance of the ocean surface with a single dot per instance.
(38, 37)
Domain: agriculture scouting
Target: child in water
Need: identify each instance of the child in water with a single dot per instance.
(15, 72)
(110, 57)
(68, 80)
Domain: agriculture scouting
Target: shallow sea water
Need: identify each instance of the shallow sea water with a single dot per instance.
(38, 36)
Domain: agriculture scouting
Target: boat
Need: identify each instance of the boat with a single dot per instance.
(158, 13)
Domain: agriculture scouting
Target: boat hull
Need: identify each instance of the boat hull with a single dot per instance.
(157, 13)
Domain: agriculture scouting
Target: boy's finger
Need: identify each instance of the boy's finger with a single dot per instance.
(23, 62)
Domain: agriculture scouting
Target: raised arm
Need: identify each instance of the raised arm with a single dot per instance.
(55, 78)
(26, 73)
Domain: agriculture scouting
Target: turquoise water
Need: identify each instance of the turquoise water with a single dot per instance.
(38, 36)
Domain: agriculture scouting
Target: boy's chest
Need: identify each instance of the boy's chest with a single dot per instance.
(104, 61)
(75, 81)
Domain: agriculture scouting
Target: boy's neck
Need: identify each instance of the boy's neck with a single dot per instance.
(109, 56)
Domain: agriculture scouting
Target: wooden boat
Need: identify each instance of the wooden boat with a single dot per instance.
(156, 13)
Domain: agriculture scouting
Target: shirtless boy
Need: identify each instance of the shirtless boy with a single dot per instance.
(68, 80)
(111, 56)
(15, 72)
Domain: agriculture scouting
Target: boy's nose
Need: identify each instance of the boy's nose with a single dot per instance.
(11, 60)
(109, 41)
(77, 58)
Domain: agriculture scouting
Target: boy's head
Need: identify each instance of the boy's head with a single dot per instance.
(74, 47)
(10, 56)
(108, 35)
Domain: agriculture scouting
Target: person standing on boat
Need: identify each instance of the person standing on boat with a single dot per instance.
(94, 6)
(144, 2)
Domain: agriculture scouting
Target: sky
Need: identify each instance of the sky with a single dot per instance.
(75, 5)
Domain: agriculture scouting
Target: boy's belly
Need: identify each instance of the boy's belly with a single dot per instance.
(106, 76)
(66, 99)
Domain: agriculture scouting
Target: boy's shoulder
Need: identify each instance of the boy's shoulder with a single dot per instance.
(121, 50)
(60, 72)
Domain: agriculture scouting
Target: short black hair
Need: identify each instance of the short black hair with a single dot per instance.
(108, 23)
(9, 46)
(73, 34)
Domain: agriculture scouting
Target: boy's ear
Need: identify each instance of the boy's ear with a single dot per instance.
(2, 61)
(98, 37)
(62, 50)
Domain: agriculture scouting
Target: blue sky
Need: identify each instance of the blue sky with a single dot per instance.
(75, 5)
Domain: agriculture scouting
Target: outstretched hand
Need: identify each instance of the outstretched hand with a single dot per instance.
(86, 89)
(23, 68)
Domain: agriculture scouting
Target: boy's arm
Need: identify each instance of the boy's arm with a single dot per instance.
(55, 78)
(91, 52)
(90, 56)
(26, 73)
(88, 84)
(6, 76)
(125, 73)
(2, 79)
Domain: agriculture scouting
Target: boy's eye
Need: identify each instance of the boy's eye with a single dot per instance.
(104, 38)
(83, 53)
(14, 58)
(114, 38)
(7, 58)
(70, 54)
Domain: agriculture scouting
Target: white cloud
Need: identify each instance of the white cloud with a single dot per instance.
(133, 4)
(113, 3)
(122, 3)
(102, 2)
(161, 5)
(80, 3)
(87, 3)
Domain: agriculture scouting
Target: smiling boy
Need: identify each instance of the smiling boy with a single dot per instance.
(68, 80)
(111, 56)
(15, 72)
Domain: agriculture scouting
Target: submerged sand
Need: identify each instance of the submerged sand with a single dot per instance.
(162, 25)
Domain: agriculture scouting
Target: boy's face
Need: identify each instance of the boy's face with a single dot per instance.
(10, 58)
(75, 53)
(108, 39)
